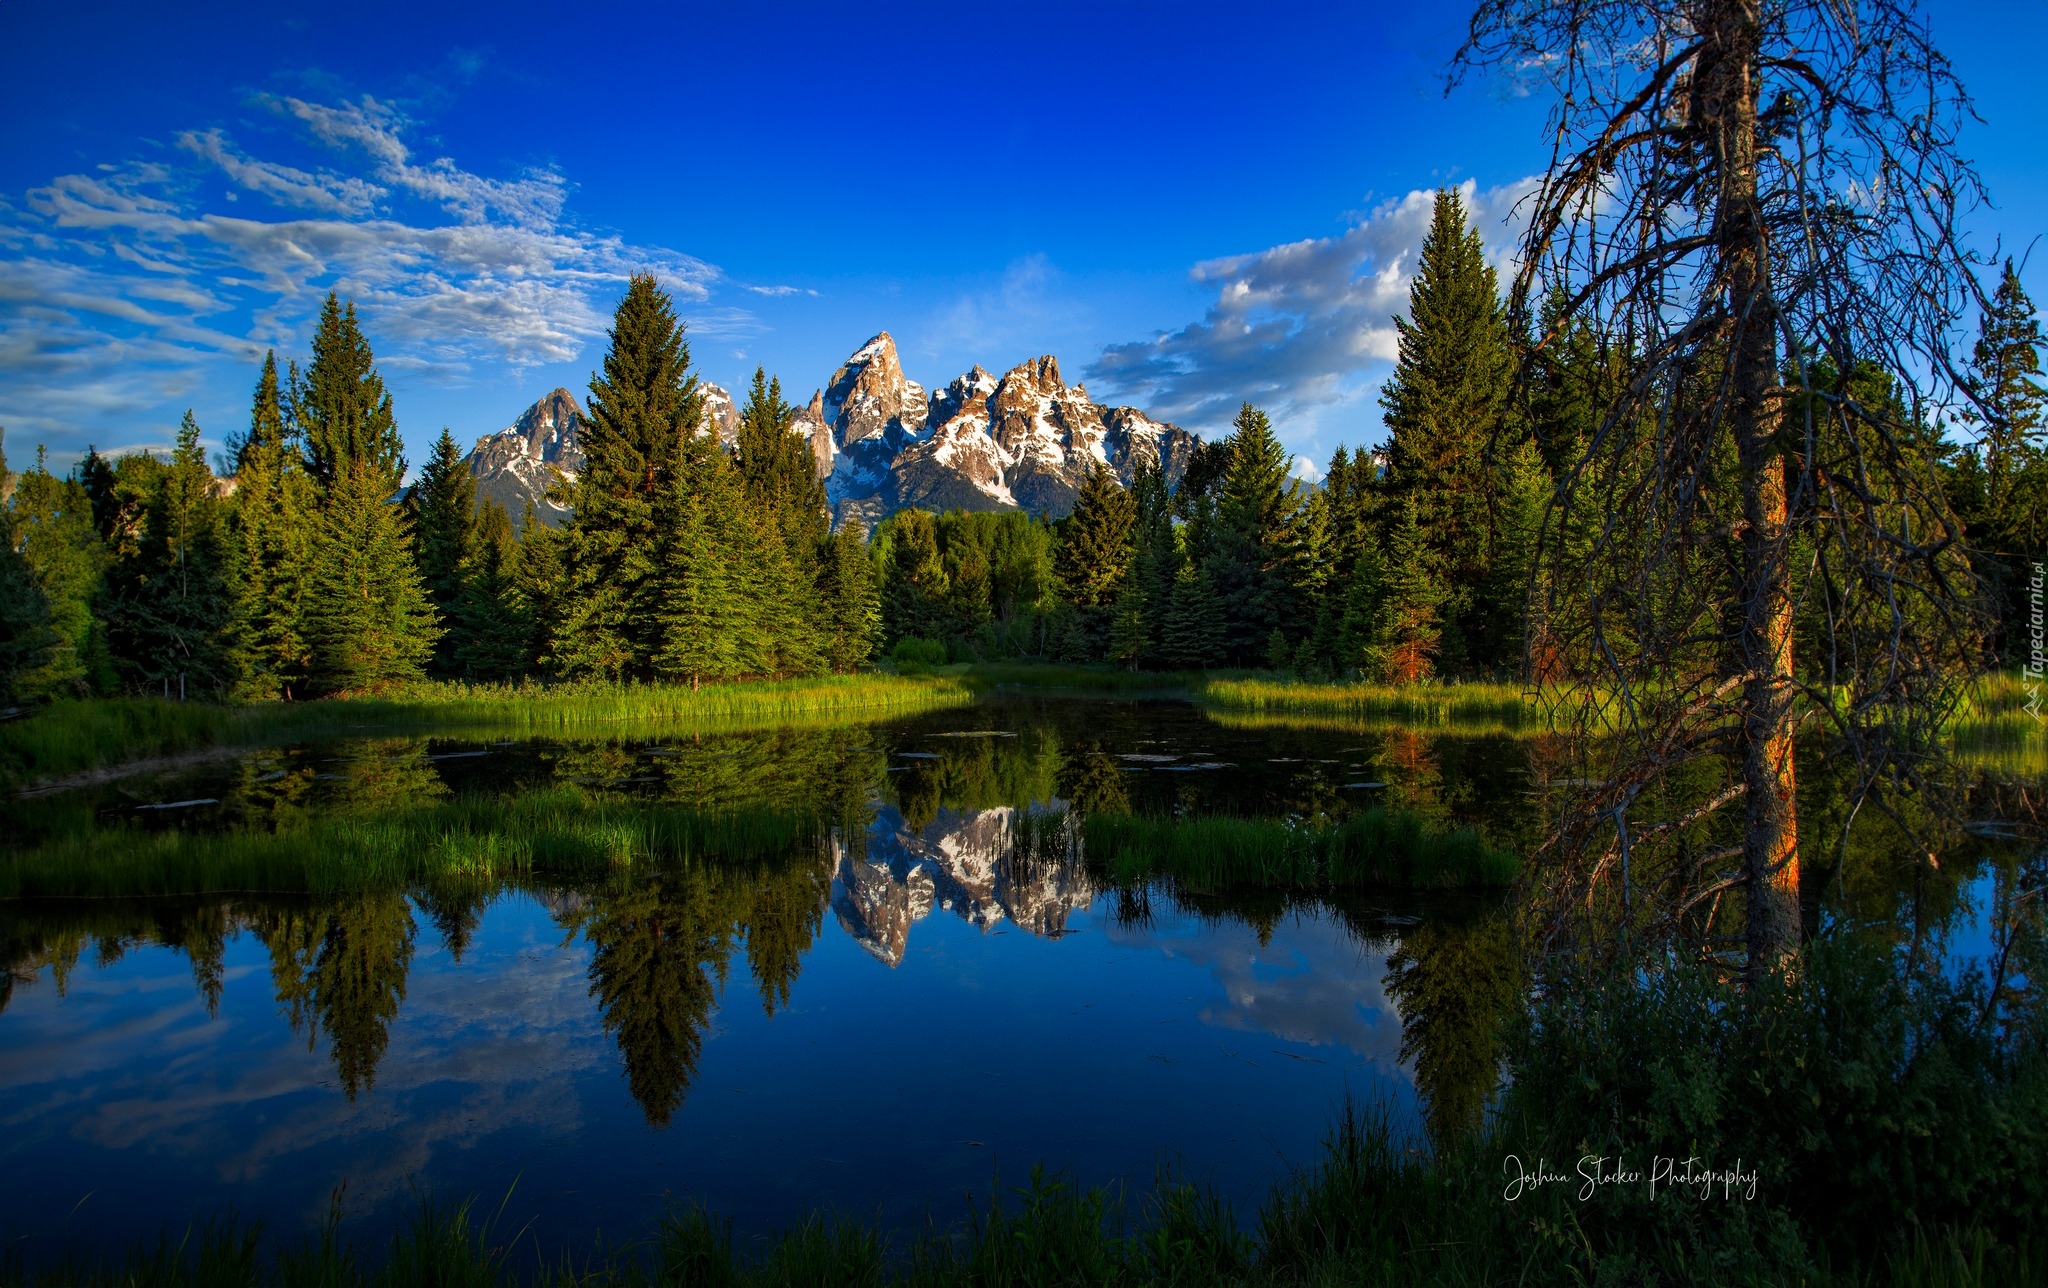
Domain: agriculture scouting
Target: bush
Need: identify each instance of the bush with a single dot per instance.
(913, 653)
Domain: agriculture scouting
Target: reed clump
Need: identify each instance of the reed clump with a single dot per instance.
(76, 737)
(1479, 702)
(559, 830)
(1379, 847)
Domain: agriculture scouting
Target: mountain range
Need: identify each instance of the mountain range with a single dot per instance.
(1024, 440)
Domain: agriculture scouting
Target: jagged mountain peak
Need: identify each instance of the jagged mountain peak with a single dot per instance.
(1022, 440)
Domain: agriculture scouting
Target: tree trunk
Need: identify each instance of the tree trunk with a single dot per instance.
(1726, 85)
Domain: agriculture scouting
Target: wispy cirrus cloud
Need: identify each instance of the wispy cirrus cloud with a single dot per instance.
(122, 287)
(1298, 326)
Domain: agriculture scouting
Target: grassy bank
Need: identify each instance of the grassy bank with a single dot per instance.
(1377, 848)
(1867, 1124)
(558, 830)
(71, 738)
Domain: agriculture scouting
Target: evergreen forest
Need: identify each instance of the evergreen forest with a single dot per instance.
(299, 565)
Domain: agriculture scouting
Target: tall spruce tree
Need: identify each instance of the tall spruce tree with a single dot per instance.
(1255, 559)
(914, 587)
(1409, 624)
(442, 502)
(341, 406)
(2004, 497)
(53, 529)
(175, 611)
(1191, 630)
(1443, 404)
(1094, 555)
(367, 618)
(709, 630)
(641, 430)
(272, 513)
(25, 635)
(785, 501)
(492, 629)
(851, 601)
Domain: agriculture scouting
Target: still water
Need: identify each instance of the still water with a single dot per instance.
(890, 1025)
(892, 1022)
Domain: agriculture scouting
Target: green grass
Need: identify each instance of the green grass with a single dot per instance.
(71, 738)
(557, 830)
(1377, 848)
(1408, 704)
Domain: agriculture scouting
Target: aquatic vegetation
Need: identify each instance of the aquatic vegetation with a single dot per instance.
(1504, 705)
(562, 829)
(1376, 848)
(73, 737)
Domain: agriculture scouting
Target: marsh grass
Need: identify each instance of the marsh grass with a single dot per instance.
(75, 737)
(1409, 704)
(1377, 848)
(559, 830)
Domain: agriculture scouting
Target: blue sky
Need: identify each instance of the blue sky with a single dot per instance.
(987, 182)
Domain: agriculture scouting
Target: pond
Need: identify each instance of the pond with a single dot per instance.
(890, 1017)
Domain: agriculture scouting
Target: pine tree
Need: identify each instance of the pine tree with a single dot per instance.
(1358, 614)
(175, 611)
(1505, 599)
(852, 603)
(780, 473)
(493, 632)
(1443, 404)
(1130, 629)
(1255, 555)
(272, 516)
(1094, 548)
(26, 639)
(537, 586)
(442, 505)
(52, 531)
(1191, 630)
(706, 633)
(1409, 626)
(2006, 502)
(341, 406)
(786, 501)
(914, 590)
(368, 620)
(644, 410)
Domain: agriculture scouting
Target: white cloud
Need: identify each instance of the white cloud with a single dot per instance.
(121, 288)
(1298, 326)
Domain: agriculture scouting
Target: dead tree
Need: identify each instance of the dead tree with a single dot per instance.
(1755, 204)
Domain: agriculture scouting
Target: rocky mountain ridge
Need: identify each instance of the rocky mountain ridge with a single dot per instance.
(1025, 440)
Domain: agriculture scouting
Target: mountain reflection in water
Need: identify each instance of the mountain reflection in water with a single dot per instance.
(902, 1005)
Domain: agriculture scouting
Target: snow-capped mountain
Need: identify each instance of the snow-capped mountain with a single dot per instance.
(1023, 440)
(963, 862)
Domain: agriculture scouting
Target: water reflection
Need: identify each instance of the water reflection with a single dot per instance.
(1209, 1001)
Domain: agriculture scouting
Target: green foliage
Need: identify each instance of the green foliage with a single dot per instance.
(272, 517)
(442, 506)
(2000, 485)
(492, 626)
(1408, 625)
(1256, 561)
(640, 434)
(1094, 550)
(851, 602)
(342, 408)
(1444, 403)
(368, 620)
(51, 579)
(175, 610)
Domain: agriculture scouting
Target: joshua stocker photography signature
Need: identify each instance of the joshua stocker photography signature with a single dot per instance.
(1665, 1173)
